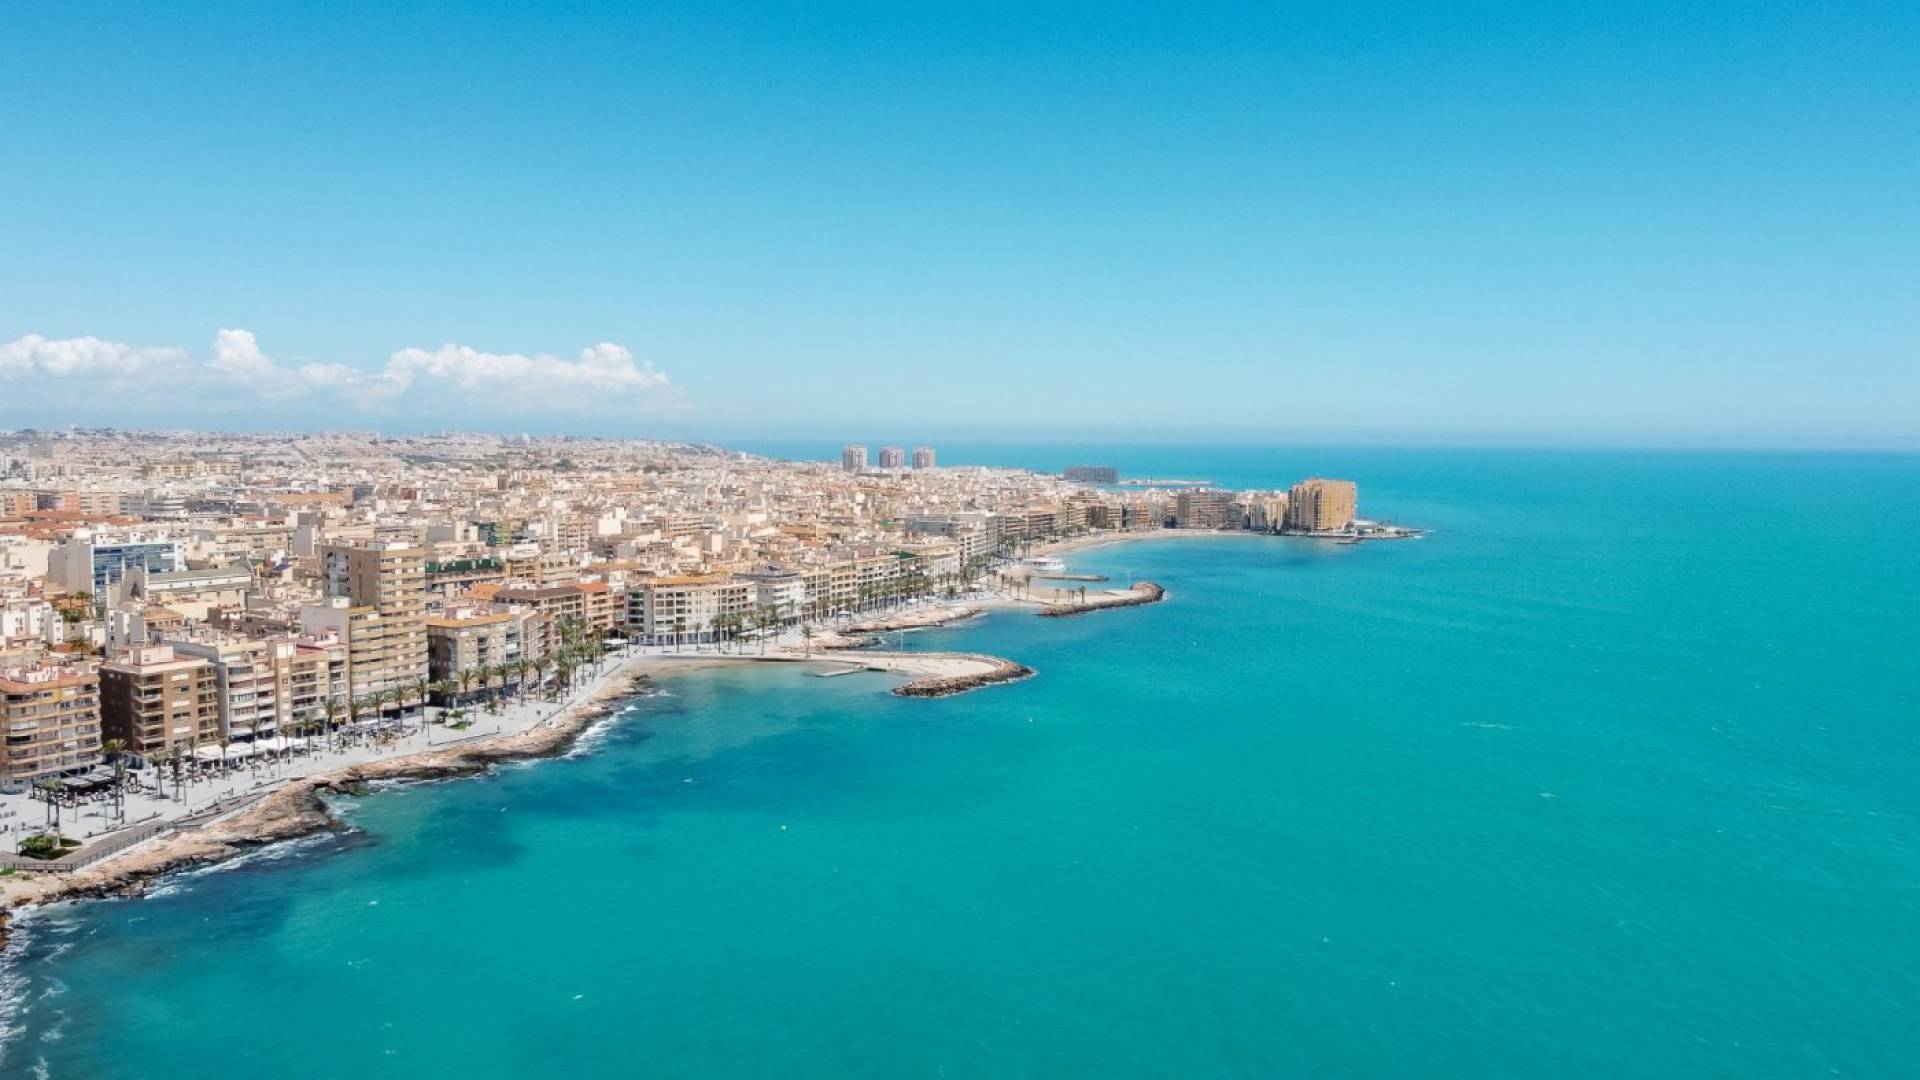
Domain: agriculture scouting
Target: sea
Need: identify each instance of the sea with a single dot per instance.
(1615, 773)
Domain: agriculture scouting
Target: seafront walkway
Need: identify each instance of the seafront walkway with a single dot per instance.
(154, 804)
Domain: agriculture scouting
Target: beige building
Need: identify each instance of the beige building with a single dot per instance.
(52, 720)
(308, 673)
(153, 699)
(1317, 505)
(1204, 508)
(249, 684)
(686, 609)
(385, 584)
(468, 640)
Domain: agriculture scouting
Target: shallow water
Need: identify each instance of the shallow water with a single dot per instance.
(1612, 775)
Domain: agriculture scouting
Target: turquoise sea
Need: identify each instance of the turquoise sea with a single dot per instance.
(1615, 774)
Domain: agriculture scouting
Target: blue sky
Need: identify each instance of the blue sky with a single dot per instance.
(1639, 224)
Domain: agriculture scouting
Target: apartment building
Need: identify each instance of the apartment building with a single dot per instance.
(685, 609)
(249, 685)
(51, 716)
(154, 699)
(467, 639)
(385, 584)
(308, 673)
(1316, 505)
(1204, 508)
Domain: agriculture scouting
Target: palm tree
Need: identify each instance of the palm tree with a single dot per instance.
(49, 789)
(331, 711)
(806, 635)
(419, 689)
(114, 750)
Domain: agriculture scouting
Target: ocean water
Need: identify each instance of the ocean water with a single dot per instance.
(1615, 774)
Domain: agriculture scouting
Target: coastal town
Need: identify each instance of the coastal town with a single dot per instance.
(194, 625)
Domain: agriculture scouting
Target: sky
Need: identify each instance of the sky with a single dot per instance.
(1619, 224)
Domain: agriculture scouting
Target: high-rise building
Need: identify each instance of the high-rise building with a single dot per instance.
(155, 700)
(1092, 474)
(853, 457)
(892, 457)
(385, 585)
(923, 457)
(52, 719)
(1203, 508)
(1316, 505)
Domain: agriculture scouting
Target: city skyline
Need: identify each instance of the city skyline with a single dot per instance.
(1372, 226)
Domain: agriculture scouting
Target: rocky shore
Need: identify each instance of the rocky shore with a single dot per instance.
(1143, 592)
(934, 686)
(297, 808)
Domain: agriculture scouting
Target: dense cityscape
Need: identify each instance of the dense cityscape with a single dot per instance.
(177, 607)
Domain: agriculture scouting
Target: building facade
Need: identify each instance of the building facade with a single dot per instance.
(155, 700)
(385, 584)
(52, 721)
(686, 609)
(1317, 505)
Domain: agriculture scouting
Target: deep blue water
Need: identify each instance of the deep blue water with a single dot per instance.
(1615, 774)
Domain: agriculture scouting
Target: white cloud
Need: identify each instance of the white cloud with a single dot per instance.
(602, 369)
(238, 370)
(81, 357)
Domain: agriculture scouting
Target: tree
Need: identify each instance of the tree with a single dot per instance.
(115, 750)
(49, 789)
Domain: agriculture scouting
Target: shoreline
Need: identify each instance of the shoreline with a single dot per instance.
(294, 808)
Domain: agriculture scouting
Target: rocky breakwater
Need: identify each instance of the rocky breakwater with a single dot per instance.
(1143, 592)
(983, 671)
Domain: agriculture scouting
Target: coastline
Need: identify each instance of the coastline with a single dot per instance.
(295, 808)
